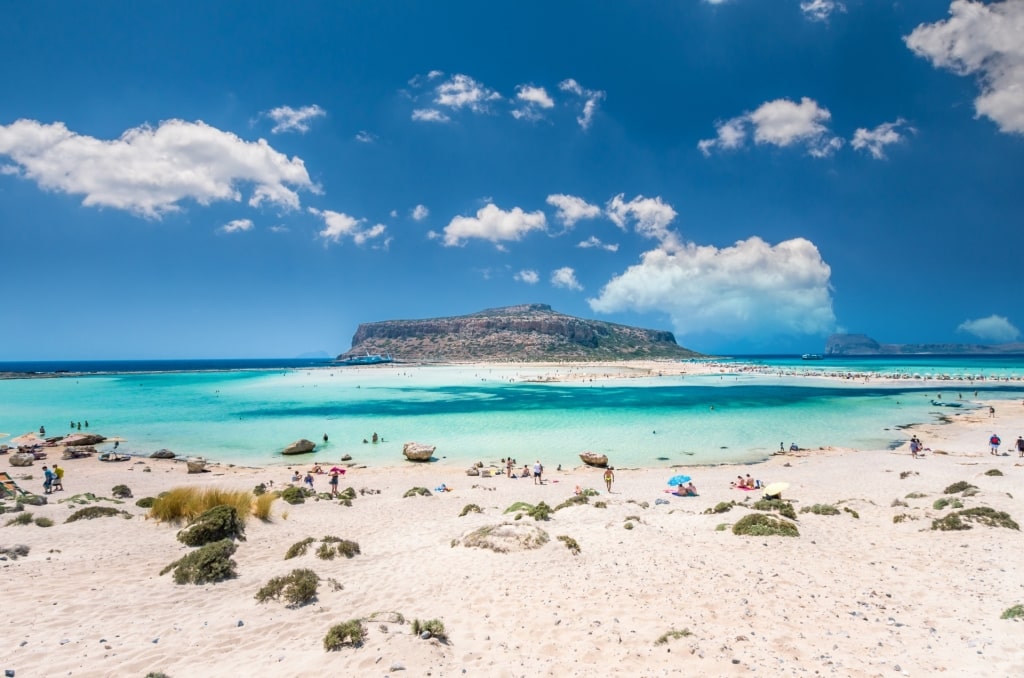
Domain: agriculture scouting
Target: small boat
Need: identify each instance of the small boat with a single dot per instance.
(368, 359)
(937, 403)
(812, 356)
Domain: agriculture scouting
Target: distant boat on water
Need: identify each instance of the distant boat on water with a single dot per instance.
(812, 356)
(368, 359)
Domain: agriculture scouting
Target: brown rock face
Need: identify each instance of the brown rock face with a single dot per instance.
(530, 332)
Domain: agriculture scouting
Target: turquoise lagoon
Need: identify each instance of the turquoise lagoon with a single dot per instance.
(740, 413)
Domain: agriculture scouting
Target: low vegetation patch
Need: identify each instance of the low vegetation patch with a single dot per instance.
(993, 472)
(261, 506)
(260, 490)
(762, 525)
(943, 502)
(721, 507)
(672, 635)
(209, 563)
(220, 522)
(540, 512)
(43, 522)
(470, 508)
(853, 513)
(90, 512)
(600, 504)
(916, 495)
(346, 496)
(902, 517)
(959, 486)
(1015, 612)
(14, 552)
(504, 538)
(983, 515)
(299, 548)
(417, 491)
(351, 633)
(333, 546)
(433, 627)
(821, 510)
(575, 500)
(783, 508)
(294, 495)
(589, 492)
(184, 504)
(899, 502)
(146, 502)
(121, 492)
(570, 544)
(297, 588)
(23, 518)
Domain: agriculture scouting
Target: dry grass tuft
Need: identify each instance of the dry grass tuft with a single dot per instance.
(184, 504)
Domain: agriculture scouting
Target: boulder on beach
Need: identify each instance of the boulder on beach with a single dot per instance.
(300, 446)
(594, 459)
(82, 439)
(472, 471)
(196, 464)
(347, 457)
(418, 451)
(78, 452)
(22, 459)
(163, 454)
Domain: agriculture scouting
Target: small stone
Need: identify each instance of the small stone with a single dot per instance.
(735, 661)
(397, 666)
(65, 641)
(155, 641)
(425, 635)
(240, 623)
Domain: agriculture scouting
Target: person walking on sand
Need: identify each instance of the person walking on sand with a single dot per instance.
(609, 477)
(993, 444)
(1020, 446)
(48, 477)
(58, 478)
(537, 470)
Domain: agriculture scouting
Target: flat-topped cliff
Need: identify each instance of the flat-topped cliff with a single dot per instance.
(861, 344)
(528, 332)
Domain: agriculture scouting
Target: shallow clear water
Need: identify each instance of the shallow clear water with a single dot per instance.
(472, 414)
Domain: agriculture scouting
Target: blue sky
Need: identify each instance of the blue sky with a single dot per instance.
(233, 180)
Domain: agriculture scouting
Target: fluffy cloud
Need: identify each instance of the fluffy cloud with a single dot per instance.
(590, 99)
(365, 137)
(493, 224)
(780, 123)
(148, 170)
(429, 115)
(875, 140)
(571, 209)
(532, 100)
(420, 212)
(236, 226)
(462, 91)
(527, 276)
(565, 277)
(821, 10)
(650, 216)
(992, 328)
(749, 288)
(595, 242)
(984, 40)
(290, 119)
(338, 226)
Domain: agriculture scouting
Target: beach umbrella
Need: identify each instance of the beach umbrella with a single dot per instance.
(678, 480)
(339, 471)
(775, 489)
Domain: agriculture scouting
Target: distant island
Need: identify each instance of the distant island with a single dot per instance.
(528, 332)
(862, 344)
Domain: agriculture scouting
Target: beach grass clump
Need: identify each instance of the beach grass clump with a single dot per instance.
(993, 472)
(184, 504)
(90, 512)
(600, 504)
(783, 508)
(821, 510)
(1015, 612)
(958, 487)
(519, 507)
(260, 490)
(899, 502)
(762, 525)
(157, 674)
(672, 635)
(121, 492)
(570, 543)
(504, 538)
(334, 546)
(983, 515)
(23, 518)
(346, 496)
(14, 552)
(540, 512)
(916, 495)
(219, 522)
(470, 508)
(299, 548)
(852, 513)
(944, 502)
(261, 506)
(628, 525)
(43, 522)
(575, 500)
(297, 588)
(351, 632)
(902, 518)
(721, 507)
(722, 527)
(433, 628)
(641, 504)
(589, 492)
(417, 492)
(146, 502)
(209, 563)
(294, 495)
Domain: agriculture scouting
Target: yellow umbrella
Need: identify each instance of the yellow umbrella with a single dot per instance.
(775, 489)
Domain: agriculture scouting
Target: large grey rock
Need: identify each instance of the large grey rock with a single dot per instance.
(196, 464)
(418, 451)
(22, 459)
(594, 459)
(82, 439)
(163, 454)
(300, 446)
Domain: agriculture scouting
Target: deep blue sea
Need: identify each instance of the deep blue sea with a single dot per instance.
(246, 411)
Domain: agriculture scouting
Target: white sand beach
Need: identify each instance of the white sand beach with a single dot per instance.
(856, 594)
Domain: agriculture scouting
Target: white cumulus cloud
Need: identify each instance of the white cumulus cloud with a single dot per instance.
(420, 212)
(875, 140)
(571, 209)
(593, 242)
(986, 40)
(429, 115)
(992, 328)
(821, 10)
(650, 217)
(290, 119)
(462, 91)
(779, 123)
(590, 98)
(149, 171)
(565, 277)
(747, 289)
(338, 226)
(237, 226)
(493, 224)
(365, 137)
(531, 101)
(528, 276)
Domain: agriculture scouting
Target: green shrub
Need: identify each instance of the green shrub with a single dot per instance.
(590, 492)
(993, 472)
(943, 502)
(902, 517)
(949, 523)
(762, 525)
(90, 512)
(851, 512)
(916, 495)
(784, 508)
(417, 491)
(570, 544)
(209, 563)
(672, 635)
(351, 632)
(24, 518)
(44, 522)
(435, 627)
(574, 500)
(299, 548)
(959, 486)
(297, 588)
(121, 492)
(146, 502)
(220, 522)
(540, 512)
(721, 507)
(1014, 612)
(821, 510)
(333, 546)
(600, 504)
(293, 495)
(627, 525)
(989, 516)
(519, 506)
(721, 527)
(260, 489)
(470, 508)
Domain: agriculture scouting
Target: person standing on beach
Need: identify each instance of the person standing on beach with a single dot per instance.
(537, 470)
(1020, 446)
(609, 478)
(508, 467)
(334, 483)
